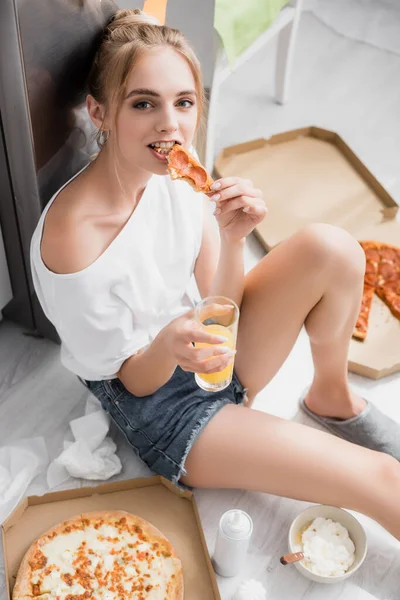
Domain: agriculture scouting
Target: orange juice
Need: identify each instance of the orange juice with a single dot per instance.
(225, 374)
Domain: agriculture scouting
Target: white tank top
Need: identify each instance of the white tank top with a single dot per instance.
(117, 305)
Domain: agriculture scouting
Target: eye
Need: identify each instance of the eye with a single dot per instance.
(185, 103)
(142, 105)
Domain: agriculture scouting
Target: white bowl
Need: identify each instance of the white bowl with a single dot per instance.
(356, 533)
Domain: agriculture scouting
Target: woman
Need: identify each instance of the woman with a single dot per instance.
(112, 259)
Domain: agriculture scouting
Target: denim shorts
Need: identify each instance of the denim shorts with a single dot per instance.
(162, 427)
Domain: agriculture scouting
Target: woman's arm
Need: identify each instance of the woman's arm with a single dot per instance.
(219, 267)
(149, 369)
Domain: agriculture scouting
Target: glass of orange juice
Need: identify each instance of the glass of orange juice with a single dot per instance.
(220, 316)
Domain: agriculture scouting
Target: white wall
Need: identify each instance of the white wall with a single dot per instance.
(195, 18)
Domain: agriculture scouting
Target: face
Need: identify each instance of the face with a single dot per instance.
(159, 109)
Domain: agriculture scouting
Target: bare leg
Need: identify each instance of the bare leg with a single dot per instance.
(248, 449)
(314, 278)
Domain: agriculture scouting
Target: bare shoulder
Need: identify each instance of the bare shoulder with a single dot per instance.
(71, 238)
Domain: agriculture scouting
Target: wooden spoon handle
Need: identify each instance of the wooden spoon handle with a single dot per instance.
(288, 559)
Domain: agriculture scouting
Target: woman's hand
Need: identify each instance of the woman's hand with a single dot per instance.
(179, 335)
(239, 207)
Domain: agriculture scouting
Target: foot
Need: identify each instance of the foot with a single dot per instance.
(370, 428)
(334, 403)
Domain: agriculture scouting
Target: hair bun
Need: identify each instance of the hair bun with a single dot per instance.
(132, 17)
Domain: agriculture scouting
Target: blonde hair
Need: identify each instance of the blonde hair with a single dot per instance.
(125, 37)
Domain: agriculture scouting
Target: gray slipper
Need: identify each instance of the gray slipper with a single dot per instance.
(371, 429)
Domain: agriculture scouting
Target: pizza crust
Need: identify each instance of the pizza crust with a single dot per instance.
(22, 585)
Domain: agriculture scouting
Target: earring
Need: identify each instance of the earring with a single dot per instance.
(103, 136)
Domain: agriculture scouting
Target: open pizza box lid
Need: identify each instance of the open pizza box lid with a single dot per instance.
(155, 499)
(308, 176)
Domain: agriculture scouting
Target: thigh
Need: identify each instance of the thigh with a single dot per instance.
(252, 450)
(279, 293)
(162, 427)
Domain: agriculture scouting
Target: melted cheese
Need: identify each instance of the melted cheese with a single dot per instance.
(115, 563)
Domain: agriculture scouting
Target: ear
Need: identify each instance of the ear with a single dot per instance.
(96, 112)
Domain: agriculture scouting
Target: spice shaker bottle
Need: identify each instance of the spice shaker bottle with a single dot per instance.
(233, 539)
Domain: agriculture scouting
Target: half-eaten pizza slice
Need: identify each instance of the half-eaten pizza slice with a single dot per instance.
(183, 165)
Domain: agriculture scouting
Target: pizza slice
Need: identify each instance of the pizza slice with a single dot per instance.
(389, 266)
(373, 259)
(389, 292)
(183, 165)
(361, 327)
(382, 276)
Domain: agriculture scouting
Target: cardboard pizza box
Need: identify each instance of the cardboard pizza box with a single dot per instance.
(311, 175)
(155, 499)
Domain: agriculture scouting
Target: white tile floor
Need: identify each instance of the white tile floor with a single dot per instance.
(349, 87)
(354, 89)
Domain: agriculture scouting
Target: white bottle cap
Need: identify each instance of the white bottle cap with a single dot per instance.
(236, 524)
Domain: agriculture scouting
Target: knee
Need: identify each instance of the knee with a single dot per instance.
(387, 472)
(333, 249)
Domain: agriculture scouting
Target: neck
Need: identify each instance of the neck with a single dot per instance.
(123, 183)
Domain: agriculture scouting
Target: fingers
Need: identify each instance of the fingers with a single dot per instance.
(239, 189)
(200, 334)
(215, 310)
(247, 204)
(257, 210)
(204, 354)
(226, 182)
(212, 364)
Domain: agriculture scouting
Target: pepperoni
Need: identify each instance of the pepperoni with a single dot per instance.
(371, 267)
(180, 161)
(391, 286)
(199, 176)
(387, 271)
(372, 255)
(388, 253)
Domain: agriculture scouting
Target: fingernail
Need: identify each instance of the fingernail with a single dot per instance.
(215, 186)
(215, 197)
(230, 353)
(221, 339)
(225, 349)
(217, 211)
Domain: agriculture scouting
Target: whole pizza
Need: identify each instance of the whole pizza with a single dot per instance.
(107, 555)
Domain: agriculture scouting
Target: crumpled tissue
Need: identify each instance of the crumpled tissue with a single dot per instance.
(92, 455)
(20, 462)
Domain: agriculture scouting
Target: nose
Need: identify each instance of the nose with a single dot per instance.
(168, 122)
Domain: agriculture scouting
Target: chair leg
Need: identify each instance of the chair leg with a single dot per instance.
(284, 58)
